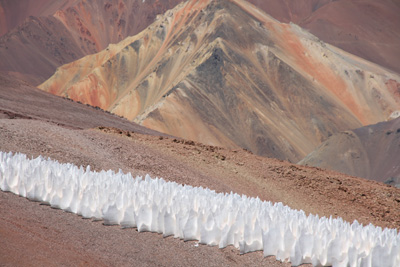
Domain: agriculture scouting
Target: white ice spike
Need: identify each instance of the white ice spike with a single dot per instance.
(196, 213)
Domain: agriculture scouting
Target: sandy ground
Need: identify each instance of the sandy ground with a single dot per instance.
(33, 234)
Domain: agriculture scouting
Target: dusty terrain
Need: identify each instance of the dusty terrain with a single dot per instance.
(34, 234)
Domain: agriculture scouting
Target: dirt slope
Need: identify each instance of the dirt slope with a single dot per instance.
(372, 152)
(33, 234)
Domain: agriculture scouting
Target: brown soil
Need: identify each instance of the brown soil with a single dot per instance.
(34, 234)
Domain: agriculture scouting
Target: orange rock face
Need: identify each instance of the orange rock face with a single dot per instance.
(225, 73)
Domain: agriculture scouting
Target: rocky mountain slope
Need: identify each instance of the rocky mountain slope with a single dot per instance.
(225, 73)
(366, 28)
(66, 30)
(36, 37)
(371, 152)
(35, 234)
(39, 36)
(13, 13)
(18, 98)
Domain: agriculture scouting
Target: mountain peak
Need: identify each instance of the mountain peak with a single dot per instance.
(225, 73)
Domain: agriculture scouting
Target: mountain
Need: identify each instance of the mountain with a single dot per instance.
(13, 13)
(371, 152)
(225, 73)
(366, 28)
(377, 40)
(64, 31)
(35, 234)
(19, 100)
(43, 35)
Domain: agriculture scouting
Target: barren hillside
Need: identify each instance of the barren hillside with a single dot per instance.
(225, 73)
(47, 35)
(37, 36)
(371, 152)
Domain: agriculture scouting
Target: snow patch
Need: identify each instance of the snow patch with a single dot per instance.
(394, 115)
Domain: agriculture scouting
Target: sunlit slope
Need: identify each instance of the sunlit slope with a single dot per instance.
(37, 36)
(225, 73)
(62, 31)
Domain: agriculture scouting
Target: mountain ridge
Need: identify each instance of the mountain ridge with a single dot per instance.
(370, 152)
(206, 59)
(53, 33)
(39, 44)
